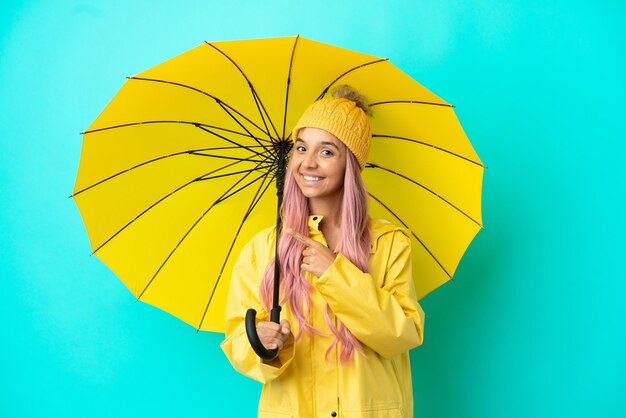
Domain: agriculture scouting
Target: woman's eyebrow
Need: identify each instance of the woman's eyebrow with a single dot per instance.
(330, 143)
(327, 143)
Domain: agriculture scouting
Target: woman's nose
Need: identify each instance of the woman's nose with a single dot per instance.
(310, 160)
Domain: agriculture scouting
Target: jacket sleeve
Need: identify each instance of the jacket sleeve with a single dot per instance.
(381, 312)
(242, 295)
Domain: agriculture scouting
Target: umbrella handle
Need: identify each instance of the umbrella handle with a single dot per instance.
(253, 336)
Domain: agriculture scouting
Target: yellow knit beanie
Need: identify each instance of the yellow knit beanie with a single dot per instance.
(343, 118)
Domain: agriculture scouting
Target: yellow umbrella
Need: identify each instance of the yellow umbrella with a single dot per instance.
(177, 172)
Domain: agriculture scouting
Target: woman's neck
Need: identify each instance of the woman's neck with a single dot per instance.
(329, 209)
(331, 222)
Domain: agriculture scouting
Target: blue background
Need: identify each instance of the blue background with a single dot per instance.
(532, 326)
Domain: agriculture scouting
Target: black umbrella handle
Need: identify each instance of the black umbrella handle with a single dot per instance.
(253, 336)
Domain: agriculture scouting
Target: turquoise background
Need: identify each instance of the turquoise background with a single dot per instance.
(532, 326)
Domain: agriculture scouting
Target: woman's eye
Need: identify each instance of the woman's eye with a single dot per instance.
(300, 148)
(327, 152)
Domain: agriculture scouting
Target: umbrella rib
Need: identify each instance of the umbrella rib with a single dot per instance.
(240, 124)
(412, 233)
(204, 178)
(225, 157)
(222, 104)
(411, 102)
(257, 198)
(200, 178)
(370, 165)
(263, 113)
(358, 67)
(193, 152)
(193, 227)
(231, 141)
(293, 51)
(226, 196)
(182, 122)
(428, 145)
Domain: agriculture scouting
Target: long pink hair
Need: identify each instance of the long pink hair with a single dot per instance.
(293, 287)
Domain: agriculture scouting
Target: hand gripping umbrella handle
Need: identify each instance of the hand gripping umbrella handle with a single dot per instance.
(253, 336)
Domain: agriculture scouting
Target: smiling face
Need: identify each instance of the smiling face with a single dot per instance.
(318, 164)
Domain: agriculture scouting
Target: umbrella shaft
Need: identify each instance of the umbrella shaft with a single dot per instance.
(280, 182)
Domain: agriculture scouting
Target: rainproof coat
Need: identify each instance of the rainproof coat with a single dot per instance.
(379, 308)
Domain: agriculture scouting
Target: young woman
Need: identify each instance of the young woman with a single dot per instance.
(349, 307)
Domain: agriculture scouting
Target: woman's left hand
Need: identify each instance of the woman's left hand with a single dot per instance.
(316, 257)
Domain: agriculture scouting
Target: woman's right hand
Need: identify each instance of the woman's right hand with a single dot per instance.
(273, 335)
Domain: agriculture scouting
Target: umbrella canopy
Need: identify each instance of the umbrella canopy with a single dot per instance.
(178, 171)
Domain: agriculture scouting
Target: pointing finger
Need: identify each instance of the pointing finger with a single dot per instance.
(305, 240)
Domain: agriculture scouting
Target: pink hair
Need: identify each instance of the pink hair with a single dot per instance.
(294, 288)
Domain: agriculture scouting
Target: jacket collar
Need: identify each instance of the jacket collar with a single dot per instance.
(377, 227)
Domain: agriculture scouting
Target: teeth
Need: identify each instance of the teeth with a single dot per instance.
(309, 178)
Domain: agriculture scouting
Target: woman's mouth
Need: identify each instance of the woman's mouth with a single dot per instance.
(309, 180)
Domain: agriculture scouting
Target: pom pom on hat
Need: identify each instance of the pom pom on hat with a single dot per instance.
(345, 115)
